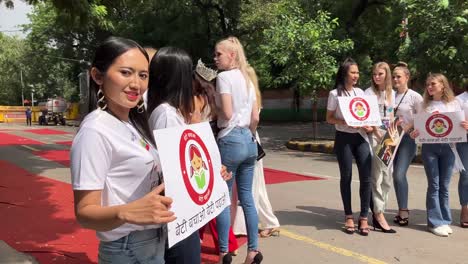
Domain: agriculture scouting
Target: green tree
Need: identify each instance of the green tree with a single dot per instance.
(298, 50)
(11, 53)
(437, 37)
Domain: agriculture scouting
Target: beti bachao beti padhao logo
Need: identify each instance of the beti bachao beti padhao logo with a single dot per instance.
(439, 125)
(359, 108)
(196, 166)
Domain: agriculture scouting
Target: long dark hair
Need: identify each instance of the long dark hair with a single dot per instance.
(105, 55)
(171, 81)
(202, 87)
(341, 75)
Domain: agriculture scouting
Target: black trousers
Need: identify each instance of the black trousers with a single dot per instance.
(187, 251)
(347, 146)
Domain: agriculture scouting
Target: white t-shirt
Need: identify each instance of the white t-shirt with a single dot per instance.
(463, 99)
(232, 82)
(385, 108)
(332, 105)
(406, 106)
(442, 107)
(165, 116)
(110, 155)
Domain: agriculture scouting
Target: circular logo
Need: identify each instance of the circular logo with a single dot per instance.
(196, 167)
(439, 125)
(359, 108)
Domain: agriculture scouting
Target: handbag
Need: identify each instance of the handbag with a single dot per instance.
(261, 152)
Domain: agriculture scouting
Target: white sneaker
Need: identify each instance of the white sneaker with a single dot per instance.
(439, 231)
(448, 229)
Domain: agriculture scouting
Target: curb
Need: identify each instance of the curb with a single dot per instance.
(320, 147)
(327, 147)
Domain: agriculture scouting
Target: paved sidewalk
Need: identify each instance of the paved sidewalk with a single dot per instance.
(323, 143)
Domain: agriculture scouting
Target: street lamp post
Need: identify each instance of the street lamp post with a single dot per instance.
(32, 94)
(22, 87)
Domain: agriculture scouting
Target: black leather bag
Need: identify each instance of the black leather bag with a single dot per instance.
(261, 152)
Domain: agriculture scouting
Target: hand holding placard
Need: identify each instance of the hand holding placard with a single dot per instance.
(153, 208)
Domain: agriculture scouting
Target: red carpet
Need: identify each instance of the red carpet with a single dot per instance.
(60, 156)
(53, 236)
(277, 176)
(9, 139)
(38, 218)
(66, 143)
(46, 131)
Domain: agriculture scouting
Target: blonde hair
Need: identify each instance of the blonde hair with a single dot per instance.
(233, 44)
(151, 51)
(447, 92)
(403, 67)
(387, 81)
(254, 79)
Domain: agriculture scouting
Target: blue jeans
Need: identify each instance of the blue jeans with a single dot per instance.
(187, 251)
(238, 153)
(438, 162)
(404, 156)
(463, 182)
(348, 145)
(139, 247)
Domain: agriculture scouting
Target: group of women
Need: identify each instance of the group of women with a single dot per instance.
(397, 108)
(116, 173)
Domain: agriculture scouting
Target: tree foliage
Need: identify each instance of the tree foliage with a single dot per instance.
(11, 50)
(295, 43)
(437, 37)
(300, 48)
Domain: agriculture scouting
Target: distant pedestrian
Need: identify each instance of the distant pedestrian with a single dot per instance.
(28, 116)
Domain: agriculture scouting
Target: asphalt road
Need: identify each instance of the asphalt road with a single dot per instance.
(310, 212)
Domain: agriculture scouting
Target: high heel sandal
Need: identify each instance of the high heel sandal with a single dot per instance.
(363, 231)
(401, 221)
(227, 259)
(377, 225)
(347, 228)
(258, 258)
(270, 232)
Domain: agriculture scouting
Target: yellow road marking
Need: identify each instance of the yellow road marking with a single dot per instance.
(337, 250)
(31, 148)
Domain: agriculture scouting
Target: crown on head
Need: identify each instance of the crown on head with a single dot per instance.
(206, 73)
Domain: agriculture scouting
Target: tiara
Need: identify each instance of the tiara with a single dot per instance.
(206, 73)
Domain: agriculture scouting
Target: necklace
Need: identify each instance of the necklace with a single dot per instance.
(133, 131)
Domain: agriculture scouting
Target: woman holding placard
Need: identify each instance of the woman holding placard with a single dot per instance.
(349, 142)
(381, 175)
(407, 102)
(115, 168)
(438, 158)
(462, 149)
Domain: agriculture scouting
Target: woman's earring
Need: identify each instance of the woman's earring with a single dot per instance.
(141, 107)
(101, 103)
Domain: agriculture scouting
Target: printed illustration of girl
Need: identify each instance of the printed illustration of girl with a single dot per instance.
(439, 126)
(360, 110)
(198, 166)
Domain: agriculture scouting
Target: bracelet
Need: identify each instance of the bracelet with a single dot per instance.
(410, 130)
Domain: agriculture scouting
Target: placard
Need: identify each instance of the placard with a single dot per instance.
(440, 127)
(388, 145)
(191, 166)
(360, 111)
